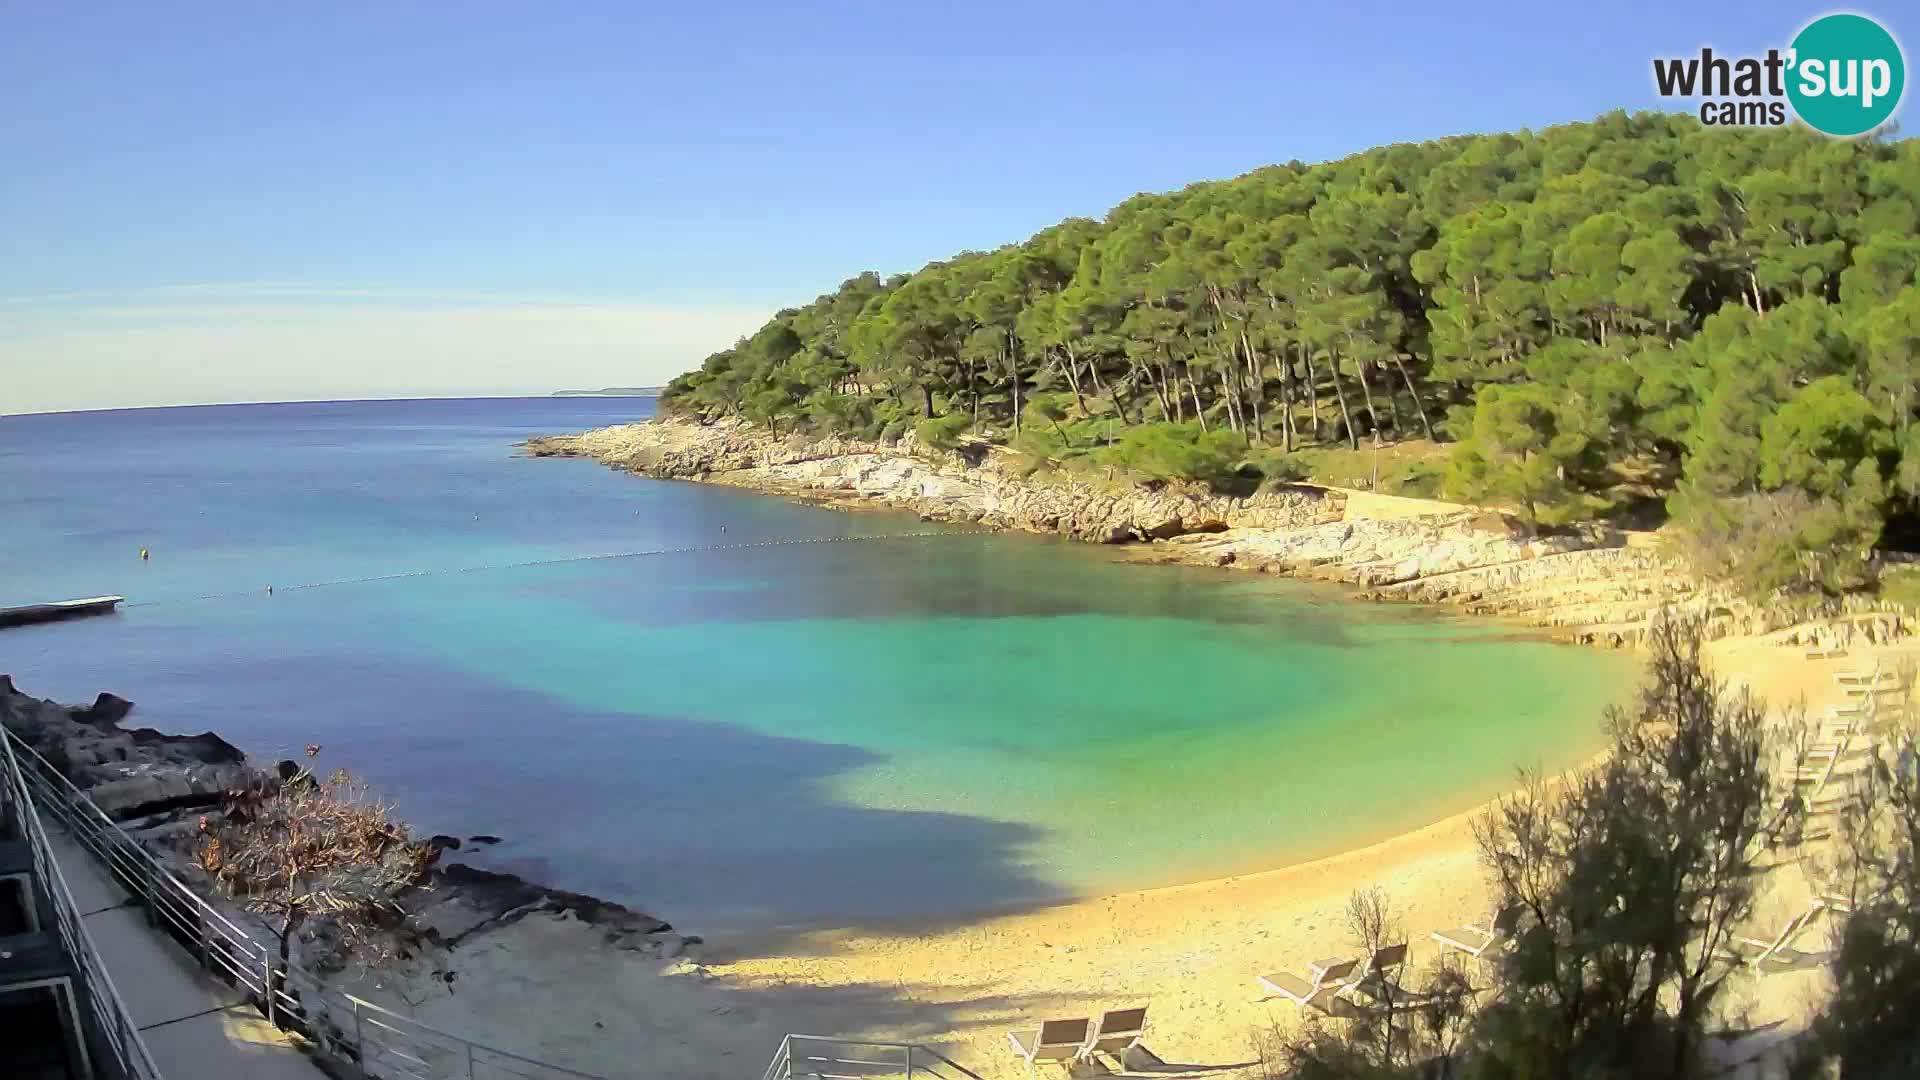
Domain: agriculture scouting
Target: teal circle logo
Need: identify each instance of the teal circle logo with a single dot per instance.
(1847, 75)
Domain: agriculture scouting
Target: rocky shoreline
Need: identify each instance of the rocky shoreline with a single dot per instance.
(157, 786)
(1595, 585)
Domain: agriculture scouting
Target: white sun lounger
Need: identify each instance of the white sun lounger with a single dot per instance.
(1475, 940)
(1330, 979)
(1057, 1041)
(1759, 954)
(1117, 1031)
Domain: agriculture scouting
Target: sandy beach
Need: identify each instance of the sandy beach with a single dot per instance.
(1189, 953)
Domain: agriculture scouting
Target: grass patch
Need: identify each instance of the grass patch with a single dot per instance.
(1413, 468)
(1900, 587)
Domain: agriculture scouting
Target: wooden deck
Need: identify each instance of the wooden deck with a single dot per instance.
(59, 609)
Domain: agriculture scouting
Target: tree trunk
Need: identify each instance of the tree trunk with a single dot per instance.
(1340, 393)
(926, 399)
(1259, 386)
(1366, 393)
(1093, 372)
(1313, 391)
(1073, 379)
(1172, 382)
(1141, 370)
(1195, 387)
(1418, 405)
(1119, 404)
(1013, 365)
(1286, 399)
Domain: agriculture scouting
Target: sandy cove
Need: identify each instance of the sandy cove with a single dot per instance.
(1190, 953)
(557, 985)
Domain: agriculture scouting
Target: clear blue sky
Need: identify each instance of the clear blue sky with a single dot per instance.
(203, 200)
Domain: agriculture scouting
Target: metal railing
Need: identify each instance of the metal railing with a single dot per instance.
(819, 1057)
(382, 1042)
(113, 1024)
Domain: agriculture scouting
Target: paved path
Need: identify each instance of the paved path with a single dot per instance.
(195, 1027)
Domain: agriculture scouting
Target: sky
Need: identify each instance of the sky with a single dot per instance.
(209, 203)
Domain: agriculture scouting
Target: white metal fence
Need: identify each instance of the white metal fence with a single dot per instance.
(113, 1025)
(381, 1042)
(819, 1057)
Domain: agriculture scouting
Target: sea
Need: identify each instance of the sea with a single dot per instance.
(727, 709)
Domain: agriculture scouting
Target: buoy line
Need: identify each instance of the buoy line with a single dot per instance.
(449, 571)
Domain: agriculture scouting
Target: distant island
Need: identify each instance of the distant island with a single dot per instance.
(613, 391)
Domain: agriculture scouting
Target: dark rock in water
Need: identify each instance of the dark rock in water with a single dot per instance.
(106, 711)
(286, 769)
(462, 900)
(205, 747)
(6, 685)
(442, 840)
(483, 838)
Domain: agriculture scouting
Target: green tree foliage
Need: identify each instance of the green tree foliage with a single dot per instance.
(1633, 879)
(1871, 1027)
(1520, 450)
(1631, 298)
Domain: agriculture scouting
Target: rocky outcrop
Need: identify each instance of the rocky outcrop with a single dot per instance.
(977, 484)
(125, 773)
(1594, 585)
(158, 785)
(1436, 553)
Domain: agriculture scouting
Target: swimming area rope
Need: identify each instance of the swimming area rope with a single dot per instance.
(452, 570)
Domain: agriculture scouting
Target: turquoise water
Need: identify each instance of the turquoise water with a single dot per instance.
(871, 728)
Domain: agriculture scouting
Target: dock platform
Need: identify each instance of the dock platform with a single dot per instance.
(59, 609)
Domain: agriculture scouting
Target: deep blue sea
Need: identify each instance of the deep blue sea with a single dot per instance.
(740, 737)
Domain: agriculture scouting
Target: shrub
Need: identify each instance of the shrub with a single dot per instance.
(943, 432)
(304, 848)
(1778, 542)
(1278, 467)
(1163, 451)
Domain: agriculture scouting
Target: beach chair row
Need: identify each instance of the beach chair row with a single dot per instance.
(1064, 1042)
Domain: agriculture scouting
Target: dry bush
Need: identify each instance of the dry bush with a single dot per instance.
(304, 848)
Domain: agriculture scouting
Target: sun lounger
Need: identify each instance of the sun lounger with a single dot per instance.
(1816, 652)
(1376, 981)
(1870, 691)
(1329, 980)
(1778, 953)
(1117, 1031)
(1057, 1041)
(1475, 940)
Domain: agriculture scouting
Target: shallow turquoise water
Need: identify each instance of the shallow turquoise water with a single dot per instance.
(869, 728)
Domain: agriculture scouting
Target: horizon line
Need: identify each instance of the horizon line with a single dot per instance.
(549, 396)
